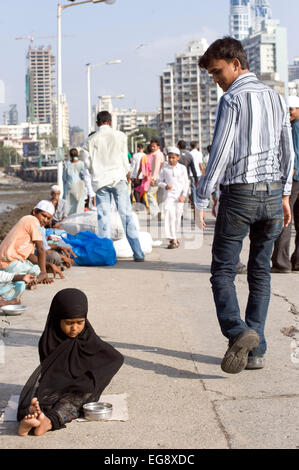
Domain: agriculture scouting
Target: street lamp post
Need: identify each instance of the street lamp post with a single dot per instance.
(59, 153)
(89, 67)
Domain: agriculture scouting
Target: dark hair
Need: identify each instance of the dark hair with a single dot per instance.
(74, 152)
(155, 141)
(227, 49)
(36, 211)
(182, 144)
(140, 146)
(193, 144)
(103, 116)
(209, 148)
(148, 149)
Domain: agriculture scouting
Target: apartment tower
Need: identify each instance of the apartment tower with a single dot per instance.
(40, 85)
(189, 99)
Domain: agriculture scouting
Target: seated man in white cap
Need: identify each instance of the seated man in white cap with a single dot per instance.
(17, 252)
(56, 256)
(173, 178)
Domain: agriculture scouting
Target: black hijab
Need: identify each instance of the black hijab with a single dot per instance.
(84, 364)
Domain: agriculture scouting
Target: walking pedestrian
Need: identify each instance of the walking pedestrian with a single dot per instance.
(154, 195)
(145, 170)
(252, 159)
(136, 175)
(198, 165)
(106, 158)
(187, 160)
(73, 181)
(173, 178)
(281, 260)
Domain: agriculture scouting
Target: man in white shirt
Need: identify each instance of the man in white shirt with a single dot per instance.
(106, 158)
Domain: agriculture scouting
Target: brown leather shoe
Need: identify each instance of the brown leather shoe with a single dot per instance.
(236, 357)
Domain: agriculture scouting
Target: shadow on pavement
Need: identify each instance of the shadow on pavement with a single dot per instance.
(162, 266)
(20, 337)
(166, 369)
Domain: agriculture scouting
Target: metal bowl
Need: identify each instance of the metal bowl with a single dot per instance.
(16, 309)
(97, 411)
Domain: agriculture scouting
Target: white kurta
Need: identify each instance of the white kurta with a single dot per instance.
(177, 178)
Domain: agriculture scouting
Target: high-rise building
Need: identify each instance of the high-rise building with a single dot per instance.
(40, 85)
(127, 120)
(240, 18)
(189, 99)
(76, 136)
(294, 70)
(65, 121)
(64, 118)
(246, 14)
(10, 118)
(262, 11)
(294, 88)
(267, 53)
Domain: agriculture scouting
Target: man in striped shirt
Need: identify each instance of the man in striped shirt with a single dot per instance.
(252, 160)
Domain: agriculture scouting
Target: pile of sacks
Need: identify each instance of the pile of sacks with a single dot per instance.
(87, 221)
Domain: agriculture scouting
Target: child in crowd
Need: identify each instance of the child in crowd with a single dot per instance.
(173, 178)
(75, 367)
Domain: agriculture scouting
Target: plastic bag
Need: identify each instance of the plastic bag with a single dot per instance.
(91, 250)
(123, 249)
(83, 222)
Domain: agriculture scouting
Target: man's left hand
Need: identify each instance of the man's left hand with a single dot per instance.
(287, 214)
(200, 219)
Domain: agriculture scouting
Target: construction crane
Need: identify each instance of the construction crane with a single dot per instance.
(31, 38)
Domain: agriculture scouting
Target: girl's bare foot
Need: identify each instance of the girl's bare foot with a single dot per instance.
(34, 406)
(45, 425)
(28, 422)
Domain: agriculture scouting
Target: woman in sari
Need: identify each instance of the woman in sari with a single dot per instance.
(146, 171)
(75, 367)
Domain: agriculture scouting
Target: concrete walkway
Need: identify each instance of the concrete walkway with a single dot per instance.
(160, 314)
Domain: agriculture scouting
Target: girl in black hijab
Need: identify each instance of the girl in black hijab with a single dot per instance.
(75, 367)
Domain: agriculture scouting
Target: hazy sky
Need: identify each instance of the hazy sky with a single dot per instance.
(144, 34)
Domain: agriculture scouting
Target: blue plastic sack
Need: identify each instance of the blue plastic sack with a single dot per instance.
(91, 250)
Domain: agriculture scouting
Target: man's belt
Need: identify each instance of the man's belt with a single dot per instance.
(252, 186)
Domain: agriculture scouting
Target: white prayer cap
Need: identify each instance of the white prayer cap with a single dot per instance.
(173, 150)
(46, 206)
(55, 188)
(293, 102)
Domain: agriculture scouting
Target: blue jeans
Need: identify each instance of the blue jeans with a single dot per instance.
(243, 211)
(121, 196)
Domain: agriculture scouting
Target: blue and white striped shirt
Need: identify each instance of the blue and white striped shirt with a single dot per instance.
(252, 139)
